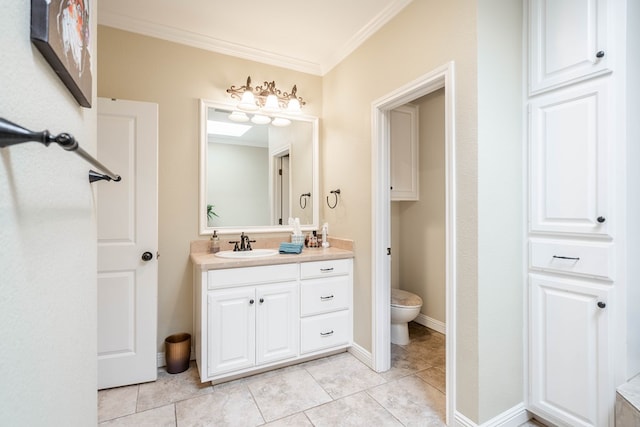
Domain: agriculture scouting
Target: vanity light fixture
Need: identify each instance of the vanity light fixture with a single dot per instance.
(264, 100)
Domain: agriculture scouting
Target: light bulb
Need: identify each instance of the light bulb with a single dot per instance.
(238, 116)
(259, 119)
(271, 105)
(248, 102)
(281, 122)
(294, 106)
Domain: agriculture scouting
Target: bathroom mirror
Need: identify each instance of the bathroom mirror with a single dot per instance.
(253, 177)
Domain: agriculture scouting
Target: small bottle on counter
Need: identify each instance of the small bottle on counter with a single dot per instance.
(214, 244)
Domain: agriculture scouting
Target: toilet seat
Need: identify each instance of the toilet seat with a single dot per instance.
(400, 299)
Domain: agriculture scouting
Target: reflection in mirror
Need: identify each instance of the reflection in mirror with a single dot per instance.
(254, 177)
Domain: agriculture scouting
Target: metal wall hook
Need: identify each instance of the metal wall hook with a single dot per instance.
(13, 134)
(335, 195)
(303, 197)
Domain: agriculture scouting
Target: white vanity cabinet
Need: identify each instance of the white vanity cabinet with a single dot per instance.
(251, 326)
(325, 305)
(250, 319)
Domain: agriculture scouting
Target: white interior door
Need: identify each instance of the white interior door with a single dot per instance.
(127, 243)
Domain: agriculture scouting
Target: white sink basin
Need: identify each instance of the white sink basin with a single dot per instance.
(255, 253)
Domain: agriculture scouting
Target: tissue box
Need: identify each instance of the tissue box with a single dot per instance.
(298, 239)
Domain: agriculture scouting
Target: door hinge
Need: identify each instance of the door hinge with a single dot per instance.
(280, 172)
(388, 251)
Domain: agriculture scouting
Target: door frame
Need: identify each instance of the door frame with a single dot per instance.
(441, 77)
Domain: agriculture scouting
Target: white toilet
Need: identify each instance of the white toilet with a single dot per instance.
(405, 307)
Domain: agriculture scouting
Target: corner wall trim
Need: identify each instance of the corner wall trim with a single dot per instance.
(362, 355)
(513, 417)
(431, 323)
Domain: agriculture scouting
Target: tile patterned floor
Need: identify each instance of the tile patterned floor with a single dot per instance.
(333, 391)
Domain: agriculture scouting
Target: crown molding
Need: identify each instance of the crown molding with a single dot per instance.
(188, 38)
(367, 31)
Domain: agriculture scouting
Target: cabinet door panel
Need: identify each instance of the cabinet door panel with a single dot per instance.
(404, 153)
(277, 322)
(569, 161)
(569, 351)
(231, 334)
(565, 37)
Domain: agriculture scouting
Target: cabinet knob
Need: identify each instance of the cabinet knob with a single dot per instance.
(251, 301)
(601, 219)
(601, 304)
(261, 300)
(600, 54)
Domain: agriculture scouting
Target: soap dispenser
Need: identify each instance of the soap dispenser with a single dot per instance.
(214, 244)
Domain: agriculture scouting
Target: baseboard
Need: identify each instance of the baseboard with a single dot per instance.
(430, 323)
(362, 355)
(510, 418)
(161, 361)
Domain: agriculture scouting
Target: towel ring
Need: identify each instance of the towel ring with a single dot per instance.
(335, 195)
(303, 197)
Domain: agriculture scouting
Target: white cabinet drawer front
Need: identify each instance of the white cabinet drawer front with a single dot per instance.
(325, 331)
(583, 258)
(252, 275)
(325, 268)
(324, 295)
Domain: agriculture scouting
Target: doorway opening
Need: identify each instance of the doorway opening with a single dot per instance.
(281, 208)
(441, 77)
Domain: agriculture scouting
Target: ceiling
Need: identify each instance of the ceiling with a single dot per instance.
(311, 36)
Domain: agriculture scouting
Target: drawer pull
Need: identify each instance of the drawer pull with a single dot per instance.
(567, 257)
(326, 334)
(326, 270)
(327, 298)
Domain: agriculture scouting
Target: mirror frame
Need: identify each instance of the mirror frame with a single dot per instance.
(202, 205)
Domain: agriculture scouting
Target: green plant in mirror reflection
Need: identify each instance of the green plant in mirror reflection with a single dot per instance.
(210, 212)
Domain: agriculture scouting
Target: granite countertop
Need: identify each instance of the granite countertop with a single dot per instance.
(202, 259)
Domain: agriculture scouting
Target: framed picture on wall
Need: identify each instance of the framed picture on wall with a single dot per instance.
(60, 29)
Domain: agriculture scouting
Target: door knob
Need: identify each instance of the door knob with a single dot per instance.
(601, 219)
(601, 304)
(147, 256)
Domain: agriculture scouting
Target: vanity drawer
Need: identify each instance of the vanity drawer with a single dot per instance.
(324, 295)
(315, 269)
(251, 275)
(581, 258)
(324, 331)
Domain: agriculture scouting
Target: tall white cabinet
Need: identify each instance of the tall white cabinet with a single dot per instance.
(576, 220)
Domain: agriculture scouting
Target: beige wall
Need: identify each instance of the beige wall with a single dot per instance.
(422, 37)
(48, 276)
(419, 254)
(175, 76)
